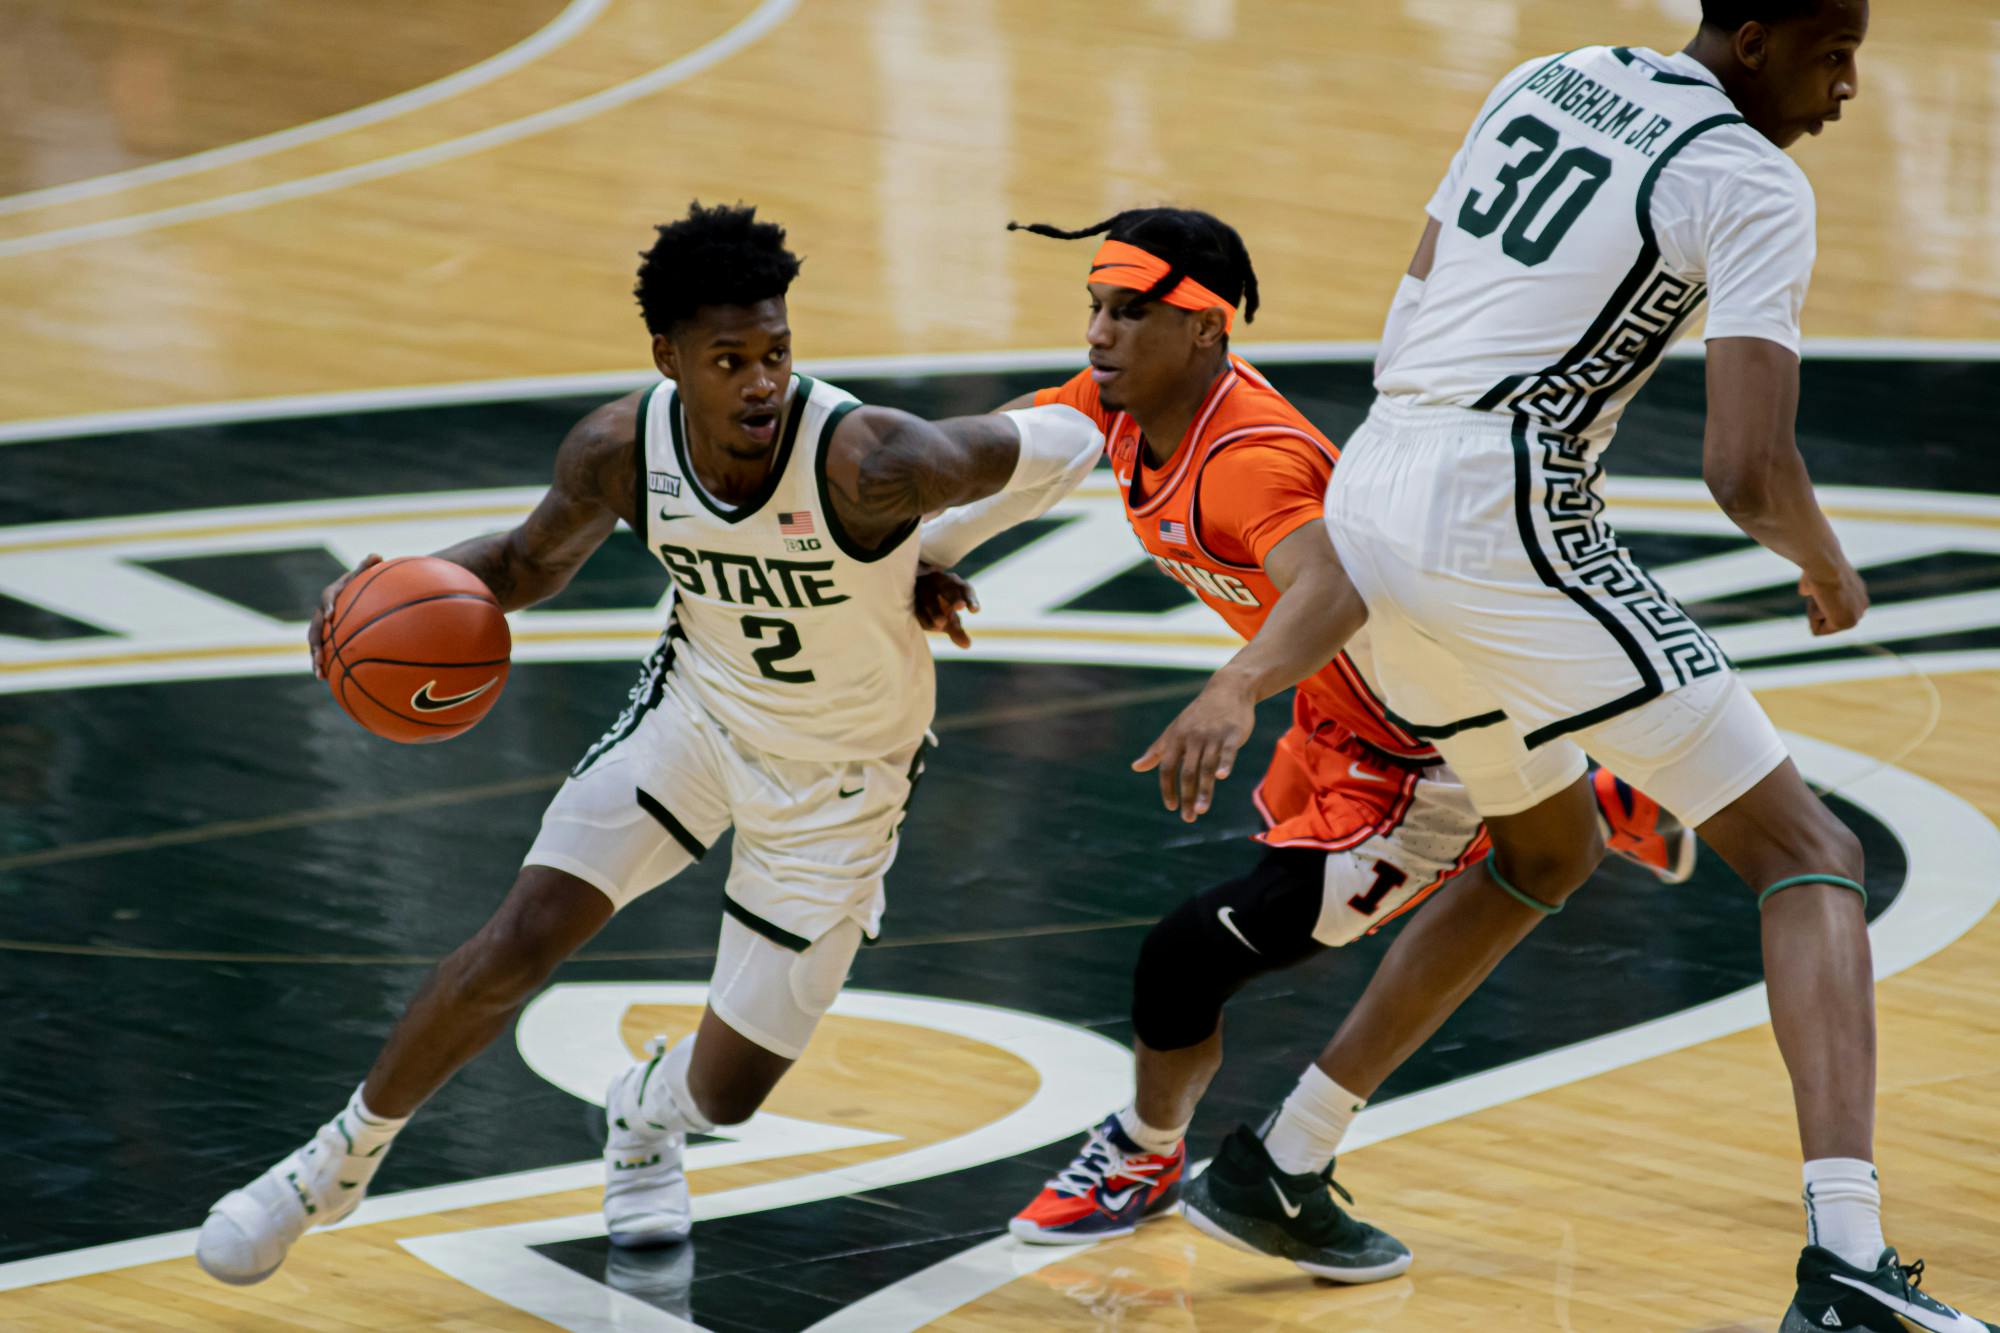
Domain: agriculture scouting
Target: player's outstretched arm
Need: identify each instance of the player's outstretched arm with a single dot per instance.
(1317, 612)
(888, 468)
(1751, 462)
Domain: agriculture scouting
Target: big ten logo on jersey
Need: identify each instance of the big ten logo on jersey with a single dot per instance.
(1209, 582)
(797, 529)
(748, 580)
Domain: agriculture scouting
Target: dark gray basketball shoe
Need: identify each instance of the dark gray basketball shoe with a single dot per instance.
(1245, 1201)
(1834, 1294)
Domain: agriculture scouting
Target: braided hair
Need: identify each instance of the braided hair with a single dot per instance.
(1192, 243)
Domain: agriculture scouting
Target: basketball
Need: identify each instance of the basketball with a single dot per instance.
(416, 649)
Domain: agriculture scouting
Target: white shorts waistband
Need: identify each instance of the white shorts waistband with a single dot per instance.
(1409, 414)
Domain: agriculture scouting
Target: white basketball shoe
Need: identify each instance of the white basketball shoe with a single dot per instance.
(645, 1180)
(249, 1231)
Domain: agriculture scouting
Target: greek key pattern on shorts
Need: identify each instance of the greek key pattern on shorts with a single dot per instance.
(1589, 547)
(1571, 395)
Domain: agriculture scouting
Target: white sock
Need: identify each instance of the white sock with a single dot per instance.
(1844, 1209)
(1310, 1125)
(365, 1130)
(1150, 1137)
(670, 1083)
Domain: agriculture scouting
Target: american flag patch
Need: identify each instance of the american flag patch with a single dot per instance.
(797, 523)
(1173, 533)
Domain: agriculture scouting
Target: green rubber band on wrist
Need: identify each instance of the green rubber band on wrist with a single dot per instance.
(1837, 881)
(1493, 869)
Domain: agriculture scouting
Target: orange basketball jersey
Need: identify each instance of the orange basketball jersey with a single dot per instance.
(1250, 472)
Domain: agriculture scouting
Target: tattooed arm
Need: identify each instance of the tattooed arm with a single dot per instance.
(887, 469)
(592, 490)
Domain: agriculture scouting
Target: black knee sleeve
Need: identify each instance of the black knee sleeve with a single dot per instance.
(1205, 950)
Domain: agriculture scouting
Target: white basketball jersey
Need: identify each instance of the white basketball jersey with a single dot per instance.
(1600, 198)
(796, 640)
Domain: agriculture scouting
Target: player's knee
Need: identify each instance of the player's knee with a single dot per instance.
(1204, 951)
(503, 966)
(1837, 849)
(1177, 993)
(1807, 841)
(1550, 871)
(1827, 847)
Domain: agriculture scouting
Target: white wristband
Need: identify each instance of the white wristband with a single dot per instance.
(1059, 447)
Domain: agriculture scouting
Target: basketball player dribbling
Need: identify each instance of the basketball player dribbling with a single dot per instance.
(790, 697)
(1599, 200)
(1224, 485)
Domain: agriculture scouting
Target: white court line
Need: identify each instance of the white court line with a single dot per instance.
(920, 1299)
(1082, 1078)
(917, 365)
(1951, 848)
(763, 1138)
(767, 16)
(579, 15)
(1949, 844)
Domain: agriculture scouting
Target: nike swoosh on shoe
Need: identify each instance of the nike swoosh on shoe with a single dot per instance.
(1116, 1202)
(1916, 1314)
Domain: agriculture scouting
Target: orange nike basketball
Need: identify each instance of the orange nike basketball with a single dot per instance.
(416, 649)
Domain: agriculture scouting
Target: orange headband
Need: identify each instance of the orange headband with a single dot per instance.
(1123, 265)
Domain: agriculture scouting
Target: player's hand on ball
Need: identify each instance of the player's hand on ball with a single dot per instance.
(316, 631)
(940, 596)
(1201, 744)
(1836, 603)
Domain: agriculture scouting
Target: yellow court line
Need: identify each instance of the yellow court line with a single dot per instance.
(1920, 516)
(1924, 516)
(637, 637)
(268, 525)
(155, 655)
(1162, 638)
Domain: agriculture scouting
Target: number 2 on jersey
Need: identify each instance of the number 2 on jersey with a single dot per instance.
(786, 647)
(1481, 215)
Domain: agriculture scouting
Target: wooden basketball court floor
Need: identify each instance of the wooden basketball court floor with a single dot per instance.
(284, 284)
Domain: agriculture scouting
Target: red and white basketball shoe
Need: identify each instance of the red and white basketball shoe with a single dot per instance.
(1108, 1190)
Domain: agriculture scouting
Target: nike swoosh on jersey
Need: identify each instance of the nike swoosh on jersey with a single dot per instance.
(1355, 770)
(1949, 1322)
(1223, 914)
(1291, 1209)
(845, 793)
(666, 517)
(426, 702)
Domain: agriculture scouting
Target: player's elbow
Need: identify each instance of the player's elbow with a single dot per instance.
(1742, 487)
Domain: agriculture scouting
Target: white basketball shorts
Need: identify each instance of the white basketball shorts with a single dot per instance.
(1511, 629)
(814, 840)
